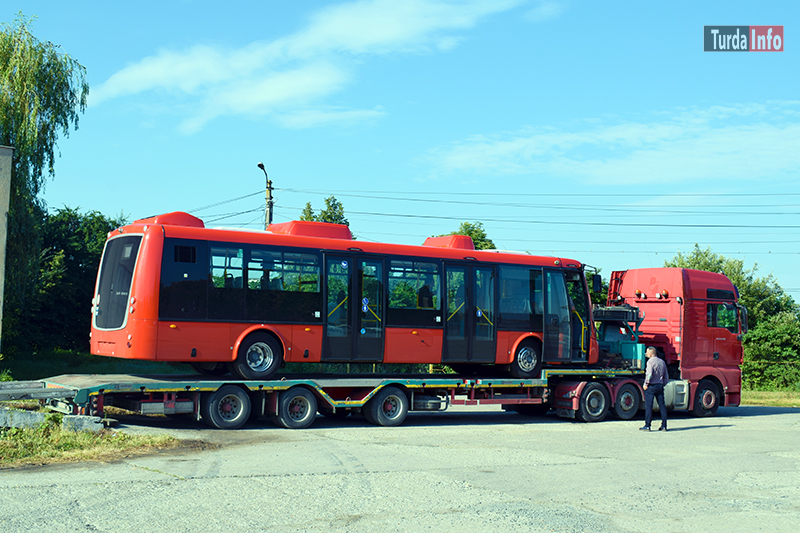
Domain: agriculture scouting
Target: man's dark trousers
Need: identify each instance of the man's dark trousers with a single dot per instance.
(654, 390)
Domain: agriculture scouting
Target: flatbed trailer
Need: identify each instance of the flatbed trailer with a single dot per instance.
(293, 401)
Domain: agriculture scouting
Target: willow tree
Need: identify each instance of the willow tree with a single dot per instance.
(42, 92)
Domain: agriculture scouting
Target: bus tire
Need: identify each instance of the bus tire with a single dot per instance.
(226, 408)
(593, 404)
(628, 402)
(527, 361)
(260, 356)
(706, 399)
(388, 407)
(297, 408)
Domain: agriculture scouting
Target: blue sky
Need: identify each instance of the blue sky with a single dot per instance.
(599, 131)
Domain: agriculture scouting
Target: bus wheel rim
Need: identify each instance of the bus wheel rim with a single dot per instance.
(526, 359)
(260, 356)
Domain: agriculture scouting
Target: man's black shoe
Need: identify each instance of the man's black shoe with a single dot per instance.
(662, 428)
(644, 428)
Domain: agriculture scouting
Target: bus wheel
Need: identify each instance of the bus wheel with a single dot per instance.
(593, 404)
(527, 362)
(226, 408)
(706, 399)
(627, 404)
(260, 356)
(297, 408)
(211, 369)
(389, 407)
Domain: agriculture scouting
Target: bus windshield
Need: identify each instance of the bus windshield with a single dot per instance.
(114, 281)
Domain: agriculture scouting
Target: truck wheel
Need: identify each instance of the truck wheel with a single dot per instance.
(593, 404)
(297, 408)
(527, 362)
(627, 404)
(259, 357)
(706, 399)
(226, 408)
(389, 407)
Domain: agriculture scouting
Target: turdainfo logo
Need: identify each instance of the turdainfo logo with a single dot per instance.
(743, 38)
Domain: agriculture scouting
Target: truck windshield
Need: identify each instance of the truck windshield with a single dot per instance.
(114, 281)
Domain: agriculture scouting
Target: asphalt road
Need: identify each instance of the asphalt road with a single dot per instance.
(461, 470)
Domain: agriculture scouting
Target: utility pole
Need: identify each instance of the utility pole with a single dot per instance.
(268, 215)
(6, 161)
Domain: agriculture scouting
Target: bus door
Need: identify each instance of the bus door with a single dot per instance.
(470, 331)
(557, 318)
(354, 321)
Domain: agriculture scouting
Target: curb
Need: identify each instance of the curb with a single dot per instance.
(15, 418)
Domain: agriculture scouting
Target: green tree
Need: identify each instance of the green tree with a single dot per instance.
(72, 246)
(308, 213)
(772, 353)
(478, 234)
(42, 92)
(333, 212)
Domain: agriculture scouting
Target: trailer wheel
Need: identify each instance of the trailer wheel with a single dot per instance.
(527, 362)
(259, 357)
(226, 408)
(706, 399)
(627, 404)
(388, 407)
(297, 408)
(593, 404)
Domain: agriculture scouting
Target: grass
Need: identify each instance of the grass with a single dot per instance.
(48, 443)
(51, 363)
(771, 398)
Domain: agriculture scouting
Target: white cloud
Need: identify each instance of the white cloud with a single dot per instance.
(754, 141)
(273, 77)
(546, 10)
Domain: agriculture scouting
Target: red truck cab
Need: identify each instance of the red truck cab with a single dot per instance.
(694, 320)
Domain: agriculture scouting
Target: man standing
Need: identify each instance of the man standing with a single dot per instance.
(654, 380)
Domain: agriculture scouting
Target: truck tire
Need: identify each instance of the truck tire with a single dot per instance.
(593, 404)
(527, 363)
(388, 407)
(628, 401)
(706, 399)
(226, 408)
(259, 357)
(297, 408)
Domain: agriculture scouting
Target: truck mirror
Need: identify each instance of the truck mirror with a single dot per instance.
(597, 283)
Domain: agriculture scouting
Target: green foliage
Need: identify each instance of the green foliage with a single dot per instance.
(333, 212)
(57, 313)
(772, 344)
(478, 234)
(772, 354)
(42, 92)
(5, 375)
(48, 363)
(48, 442)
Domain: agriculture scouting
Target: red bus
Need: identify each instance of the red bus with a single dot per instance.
(170, 289)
